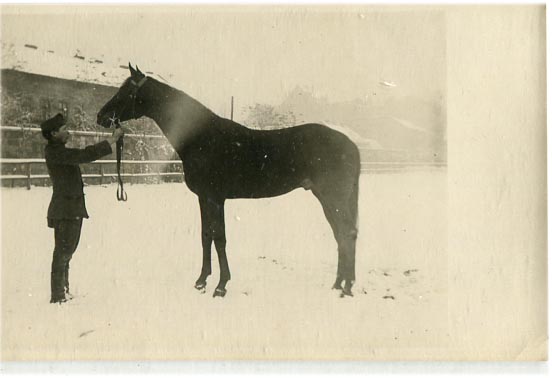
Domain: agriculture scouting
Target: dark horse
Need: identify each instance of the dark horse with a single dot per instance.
(223, 159)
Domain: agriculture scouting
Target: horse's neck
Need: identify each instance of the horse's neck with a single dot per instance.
(178, 115)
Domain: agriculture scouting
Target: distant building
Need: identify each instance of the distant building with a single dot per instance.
(28, 99)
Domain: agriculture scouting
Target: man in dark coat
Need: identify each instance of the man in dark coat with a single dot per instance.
(67, 207)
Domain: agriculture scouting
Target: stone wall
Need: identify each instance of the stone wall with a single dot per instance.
(28, 99)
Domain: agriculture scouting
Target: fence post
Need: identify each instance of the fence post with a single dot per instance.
(28, 176)
(158, 173)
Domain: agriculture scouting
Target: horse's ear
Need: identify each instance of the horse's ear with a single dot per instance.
(132, 70)
(140, 72)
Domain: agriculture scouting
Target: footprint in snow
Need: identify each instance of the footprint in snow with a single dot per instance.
(409, 272)
(86, 333)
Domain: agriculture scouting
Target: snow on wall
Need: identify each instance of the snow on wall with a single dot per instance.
(111, 71)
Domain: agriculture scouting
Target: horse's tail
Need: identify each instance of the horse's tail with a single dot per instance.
(353, 199)
(353, 202)
(353, 211)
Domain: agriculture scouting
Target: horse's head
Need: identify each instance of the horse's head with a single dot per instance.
(126, 104)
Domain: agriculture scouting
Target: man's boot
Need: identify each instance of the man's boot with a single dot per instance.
(68, 294)
(57, 287)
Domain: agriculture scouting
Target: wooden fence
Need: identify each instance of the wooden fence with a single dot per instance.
(102, 176)
(174, 173)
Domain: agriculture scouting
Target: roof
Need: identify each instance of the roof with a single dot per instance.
(79, 66)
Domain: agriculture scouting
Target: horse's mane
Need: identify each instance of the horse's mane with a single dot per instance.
(173, 95)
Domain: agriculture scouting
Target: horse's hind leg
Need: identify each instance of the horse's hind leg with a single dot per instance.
(331, 218)
(346, 261)
(342, 218)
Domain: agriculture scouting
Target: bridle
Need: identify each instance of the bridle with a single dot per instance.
(121, 194)
(134, 93)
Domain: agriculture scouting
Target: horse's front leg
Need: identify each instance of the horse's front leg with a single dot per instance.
(206, 240)
(219, 237)
(213, 229)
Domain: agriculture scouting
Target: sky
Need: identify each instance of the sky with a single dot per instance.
(256, 54)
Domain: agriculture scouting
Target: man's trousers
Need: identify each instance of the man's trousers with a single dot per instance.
(67, 235)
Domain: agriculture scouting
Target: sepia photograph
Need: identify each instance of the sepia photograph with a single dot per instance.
(273, 182)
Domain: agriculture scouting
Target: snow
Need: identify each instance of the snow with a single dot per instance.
(137, 261)
(43, 61)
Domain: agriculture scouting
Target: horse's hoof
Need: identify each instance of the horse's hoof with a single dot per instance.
(200, 286)
(219, 293)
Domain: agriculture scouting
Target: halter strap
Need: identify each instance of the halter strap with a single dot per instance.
(135, 93)
(121, 194)
(140, 83)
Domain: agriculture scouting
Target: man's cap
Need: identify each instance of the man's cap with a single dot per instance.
(52, 124)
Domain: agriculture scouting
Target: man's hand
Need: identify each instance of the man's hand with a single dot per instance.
(117, 133)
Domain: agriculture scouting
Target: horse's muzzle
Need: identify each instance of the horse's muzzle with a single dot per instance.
(103, 120)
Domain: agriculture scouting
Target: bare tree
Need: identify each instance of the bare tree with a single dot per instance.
(265, 117)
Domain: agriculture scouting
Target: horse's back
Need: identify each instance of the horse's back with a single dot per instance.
(309, 146)
(313, 139)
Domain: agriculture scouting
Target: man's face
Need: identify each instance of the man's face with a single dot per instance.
(61, 135)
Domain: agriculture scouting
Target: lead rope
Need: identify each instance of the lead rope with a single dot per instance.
(121, 194)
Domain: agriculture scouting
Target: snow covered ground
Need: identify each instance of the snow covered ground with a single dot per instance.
(134, 271)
